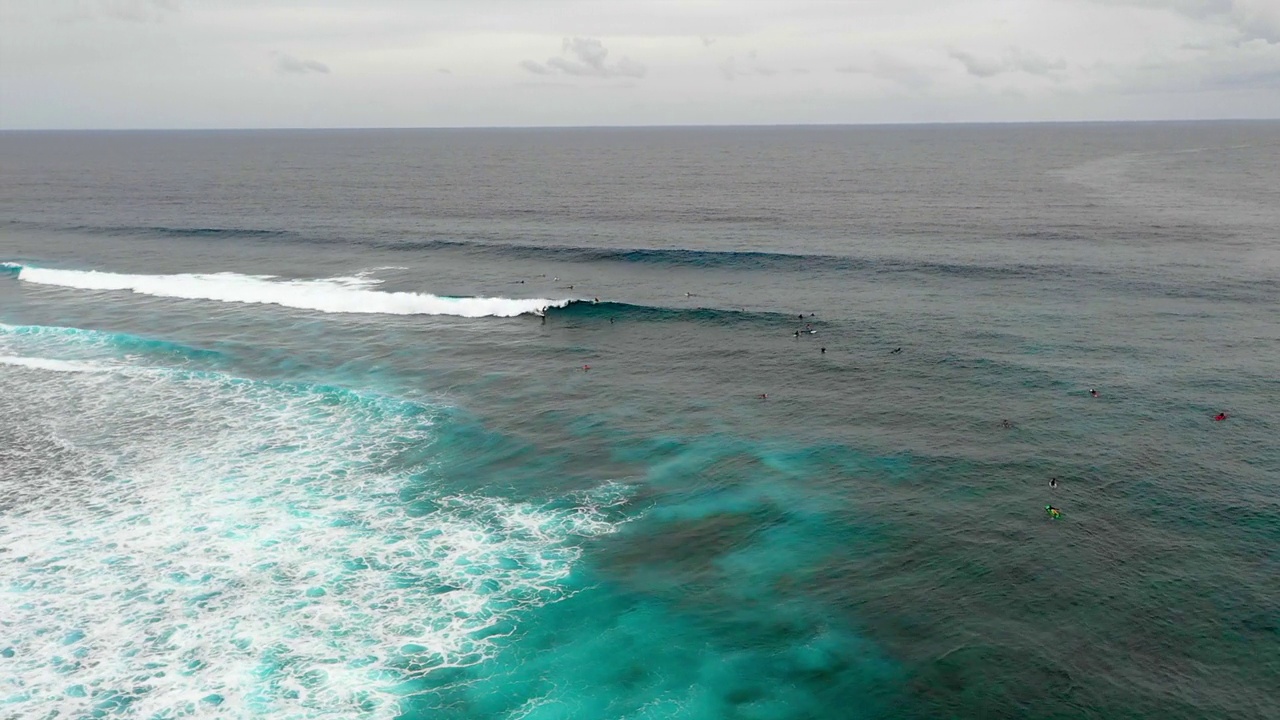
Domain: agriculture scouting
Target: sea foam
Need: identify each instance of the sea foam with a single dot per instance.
(330, 295)
(51, 364)
(196, 544)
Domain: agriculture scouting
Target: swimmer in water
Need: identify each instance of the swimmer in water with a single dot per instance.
(824, 351)
(1053, 512)
(896, 351)
(1007, 425)
(1093, 392)
(1220, 416)
(1053, 483)
(586, 368)
(764, 396)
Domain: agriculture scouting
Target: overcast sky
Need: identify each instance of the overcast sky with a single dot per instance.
(416, 63)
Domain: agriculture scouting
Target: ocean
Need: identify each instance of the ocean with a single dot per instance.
(751, 423)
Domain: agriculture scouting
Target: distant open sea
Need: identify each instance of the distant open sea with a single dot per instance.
(641, 423)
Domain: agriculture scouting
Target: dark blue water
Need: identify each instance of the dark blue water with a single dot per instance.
(469, 424)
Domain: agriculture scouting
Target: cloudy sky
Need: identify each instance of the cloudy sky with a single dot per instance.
(416, 63)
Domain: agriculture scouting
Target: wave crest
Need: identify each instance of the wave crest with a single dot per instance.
(330, 295)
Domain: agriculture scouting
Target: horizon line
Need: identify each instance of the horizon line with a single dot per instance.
(287, 128)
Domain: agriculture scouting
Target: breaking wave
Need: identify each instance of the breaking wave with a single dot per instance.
(179, 543)
(330, 295)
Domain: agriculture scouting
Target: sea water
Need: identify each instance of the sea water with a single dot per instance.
(641, 423)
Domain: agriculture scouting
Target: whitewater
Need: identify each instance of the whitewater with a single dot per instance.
(282, 436)
(329, 295)
(188, 542)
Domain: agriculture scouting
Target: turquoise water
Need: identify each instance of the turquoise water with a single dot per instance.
(185, 539)
(335, 439)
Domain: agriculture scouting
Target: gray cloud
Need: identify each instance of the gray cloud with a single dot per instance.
(1245, 79)
(883, 67)
(977, 66)
(535, 67)
(299, 66)
(1014, 60)
(586, 57)
(1249, 65)
(1034, 64)
(1253, 19)
(107, 63)
(730, 68)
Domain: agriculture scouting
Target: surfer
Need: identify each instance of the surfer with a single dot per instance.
(1053, 483)
(1093, 392)
(896, 351)
(1220, 416)
(1052, 512)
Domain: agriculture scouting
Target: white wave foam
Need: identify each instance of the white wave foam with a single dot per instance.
(332, 295)
(240, 549)
(51, 364)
